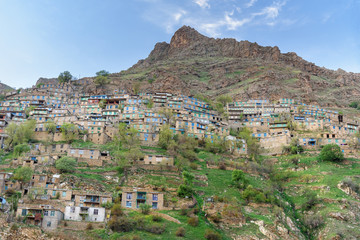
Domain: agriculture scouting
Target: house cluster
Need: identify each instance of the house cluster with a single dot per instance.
(46, 201)
(275, 124)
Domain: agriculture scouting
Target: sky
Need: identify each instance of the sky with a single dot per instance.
(41, 38)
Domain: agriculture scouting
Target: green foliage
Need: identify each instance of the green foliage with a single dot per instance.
(193, 221)
(239, 179)
(252, 194)
(156, 218)
(224, 99)
(253, 147)
(65, 77)
(66, 164)
(332, 153)
(165, 136)
(180, 232)
(102, 104)
(354, 104)
(145, 208)
(70, 132)
(107, 205)
(127, 137)
(311, 199)
(101, 81)
(212, 235)
(50, 127)
(23, 175)
(116, 210)
(150, 104)
(21, 148)
(185, 191)
(103, 73)
(19, 134)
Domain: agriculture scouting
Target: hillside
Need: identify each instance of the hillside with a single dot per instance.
(192, 63)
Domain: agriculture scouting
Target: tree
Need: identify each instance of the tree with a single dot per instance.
(21, 148)
(66, 164)
(128, 136)
(102, 73)
(70, 132)
(136, 88)
(224, 99)
(253, 147)
(165, 136)
(332, 153)
(19, 134)
(168, 114)
(238, 178)
(134, 155)
(23, 175)
(65, 77)
(102, 104)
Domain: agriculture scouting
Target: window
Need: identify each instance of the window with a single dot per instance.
(155, 197)
(72, 209)
(128, 195)
(128, 204)
(24, 212)
(96, 211)
(54, 193)
(48, 224)
(154, 205)
(46, 213)
(64, 194)
(52, 213)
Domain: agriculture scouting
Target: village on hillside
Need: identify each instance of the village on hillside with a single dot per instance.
(69, 124)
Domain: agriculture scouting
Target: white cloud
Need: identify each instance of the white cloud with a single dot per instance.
(202, 3)
(174, 19)
(271, 12)
(251, 3)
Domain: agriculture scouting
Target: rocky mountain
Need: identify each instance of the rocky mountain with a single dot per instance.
(193, 63)
(5, 88)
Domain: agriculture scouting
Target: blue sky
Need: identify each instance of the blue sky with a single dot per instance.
(41, 38)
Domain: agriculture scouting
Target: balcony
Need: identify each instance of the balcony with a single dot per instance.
(92, 200)
(141, 196)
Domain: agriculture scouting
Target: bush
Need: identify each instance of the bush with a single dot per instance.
(66, 164)
(184, 191)
(145, 209)
(311, 200)
(222, 166)
(216, 218)
(332, 153)
(193, 166)
(89, 226)
(121, 224)
(239, 179)
(136, 237)
(155, 228)
(183, 211)
(251, 193)
(156, 218)
(180, 232)
(116, 210)
(212, 235)
(354, 104)
(193, 221)
(313, 221)
(352, 185)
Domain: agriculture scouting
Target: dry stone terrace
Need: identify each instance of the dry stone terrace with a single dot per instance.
(273, 124)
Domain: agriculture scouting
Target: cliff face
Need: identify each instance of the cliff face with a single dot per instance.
(193, 63)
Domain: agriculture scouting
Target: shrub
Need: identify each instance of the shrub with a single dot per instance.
(145, 209)
(354, 104)
(193, 166)
(121, 224)
(155, 228)
(216, 218)
(222, 166)
(183, 211)
(352, 185)
(180, 232)
(191, 155)
(331, 152)
(251, 193)
(184, 191)
(65, 164)
(136, 237)
(193, 221)
(116, 210)
(311, 200)
(14, 227)
(313, 221)
(156, 218)
(212, 235)
(89, 226)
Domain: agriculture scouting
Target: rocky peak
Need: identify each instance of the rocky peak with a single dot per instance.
(184, 37)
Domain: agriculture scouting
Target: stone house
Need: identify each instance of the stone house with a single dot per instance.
(133, 197)
(90, 214)
(44, 216)
(158, 160)
(90, 199)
